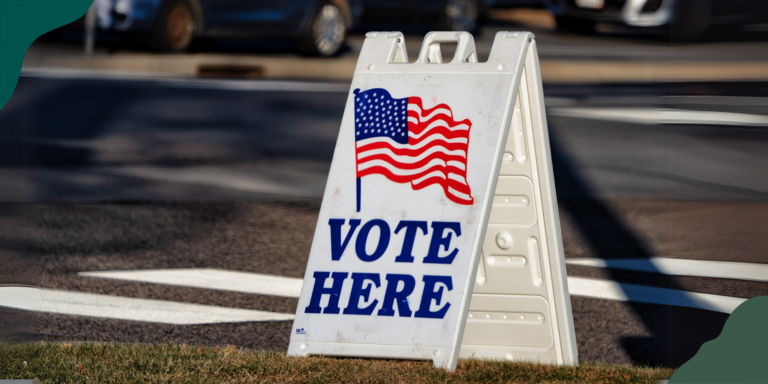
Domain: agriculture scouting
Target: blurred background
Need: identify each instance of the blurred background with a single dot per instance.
(172, 134)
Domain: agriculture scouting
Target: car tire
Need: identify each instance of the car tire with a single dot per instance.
(462, 15)
(572, 25)
(325, 33)
(175, 27)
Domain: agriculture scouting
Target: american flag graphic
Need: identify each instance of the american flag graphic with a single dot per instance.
(405, 142)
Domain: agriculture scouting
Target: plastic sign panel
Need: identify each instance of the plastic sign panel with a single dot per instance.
(440, 168)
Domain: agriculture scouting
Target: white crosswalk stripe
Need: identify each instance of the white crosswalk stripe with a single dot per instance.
(168, 312)
(682, 267)
(234, 281)
(611, 290)
(291, 287)
(662, 116)
(126, 308)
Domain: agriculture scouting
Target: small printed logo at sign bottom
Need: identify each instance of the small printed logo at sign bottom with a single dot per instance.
(301, 331)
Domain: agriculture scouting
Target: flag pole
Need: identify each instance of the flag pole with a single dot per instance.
(357, 92)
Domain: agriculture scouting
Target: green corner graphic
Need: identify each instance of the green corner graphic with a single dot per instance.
(738, 355)
(23, 21)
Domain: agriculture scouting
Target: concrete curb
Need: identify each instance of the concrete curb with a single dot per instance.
(284, 67)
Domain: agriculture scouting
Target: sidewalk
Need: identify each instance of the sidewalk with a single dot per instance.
(47, 57)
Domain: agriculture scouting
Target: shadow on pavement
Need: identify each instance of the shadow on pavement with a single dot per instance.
(41, 124)
(676, 332)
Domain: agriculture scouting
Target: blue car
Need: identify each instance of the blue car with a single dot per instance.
(449, 15)
(318, 26)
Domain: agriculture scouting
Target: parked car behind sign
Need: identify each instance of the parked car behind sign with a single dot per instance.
(450, 15)
(318, 26)
(681, 19)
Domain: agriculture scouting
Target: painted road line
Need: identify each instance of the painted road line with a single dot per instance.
(740, 101)
(682, 267)
(185, 81)
(662, 116)
(259, 85)
(291, 287)
(125, 308)
(253, 283)
(611, 290)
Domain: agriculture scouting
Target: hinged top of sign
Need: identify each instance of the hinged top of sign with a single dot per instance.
(412, 186)
(384, 52)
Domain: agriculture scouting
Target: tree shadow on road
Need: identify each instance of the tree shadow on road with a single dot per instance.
(676, 332)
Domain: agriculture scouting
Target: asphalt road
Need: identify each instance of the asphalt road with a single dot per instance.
(115, 174)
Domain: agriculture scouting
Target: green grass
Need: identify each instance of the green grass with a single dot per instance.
(127, 363)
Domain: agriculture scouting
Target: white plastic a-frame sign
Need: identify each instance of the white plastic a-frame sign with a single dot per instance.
(441, 185)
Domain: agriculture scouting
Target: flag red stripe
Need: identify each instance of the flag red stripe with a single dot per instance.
(445, 183)
(445, 132)
(414, 165)
(417, 127)
(449, 134)
(448, 193)
(413, 152)
(425, 112)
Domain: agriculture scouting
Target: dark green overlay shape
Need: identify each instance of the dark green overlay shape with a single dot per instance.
(738, 355)
(21, 23)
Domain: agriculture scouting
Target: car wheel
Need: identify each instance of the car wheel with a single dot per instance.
(326, 32)
(174, 27)
(462, 15)
(573, 25)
